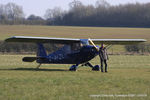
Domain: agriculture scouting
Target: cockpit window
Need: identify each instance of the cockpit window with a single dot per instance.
(76, 46)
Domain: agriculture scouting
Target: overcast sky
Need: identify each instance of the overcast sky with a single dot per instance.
(38, 7)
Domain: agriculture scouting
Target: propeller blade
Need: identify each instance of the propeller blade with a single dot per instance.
(93, 44)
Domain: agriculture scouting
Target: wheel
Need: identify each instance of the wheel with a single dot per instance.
(73, 68)
(96, 68)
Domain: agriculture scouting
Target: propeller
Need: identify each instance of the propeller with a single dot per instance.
(96, 67)
(93, 44)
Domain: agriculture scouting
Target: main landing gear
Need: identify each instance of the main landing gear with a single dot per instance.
(94, 68)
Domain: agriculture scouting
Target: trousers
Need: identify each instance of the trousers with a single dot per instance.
(105, 62)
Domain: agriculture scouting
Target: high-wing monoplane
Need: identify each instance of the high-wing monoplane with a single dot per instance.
(74, 51)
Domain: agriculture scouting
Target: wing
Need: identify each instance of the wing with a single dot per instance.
(71, 40)
(118, 41)
(42, 40)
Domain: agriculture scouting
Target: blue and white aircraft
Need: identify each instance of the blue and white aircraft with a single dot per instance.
(74, 51)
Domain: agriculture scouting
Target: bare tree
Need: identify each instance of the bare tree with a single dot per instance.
(3, 16)
(13, 11)
(53, 13)
(11, 14)
(75, 4)
(102, 3)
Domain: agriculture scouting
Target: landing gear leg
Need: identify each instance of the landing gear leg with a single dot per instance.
(73, 67)
(38, 66)
(94, 68)
(89, 64)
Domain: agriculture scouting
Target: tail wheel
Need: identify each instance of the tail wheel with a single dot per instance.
(73, 68)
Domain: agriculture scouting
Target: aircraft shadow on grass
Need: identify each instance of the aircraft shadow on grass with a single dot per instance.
(32, 69)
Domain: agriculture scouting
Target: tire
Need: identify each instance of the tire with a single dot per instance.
(96, 68)
(73, 68)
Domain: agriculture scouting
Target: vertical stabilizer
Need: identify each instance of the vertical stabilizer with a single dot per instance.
(41, 52)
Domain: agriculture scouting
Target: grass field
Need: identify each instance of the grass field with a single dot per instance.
(21, 81)
(73, 32)
(126, 74)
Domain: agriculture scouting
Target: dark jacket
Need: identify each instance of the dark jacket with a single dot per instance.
(103, 53)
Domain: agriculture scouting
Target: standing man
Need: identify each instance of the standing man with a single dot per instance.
(103, 57)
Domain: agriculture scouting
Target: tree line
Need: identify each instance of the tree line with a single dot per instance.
(101, 14)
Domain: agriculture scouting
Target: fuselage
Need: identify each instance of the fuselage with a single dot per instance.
(82, 55)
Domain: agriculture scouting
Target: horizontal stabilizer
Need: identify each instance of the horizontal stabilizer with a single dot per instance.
(29, 59)
(32, 59)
